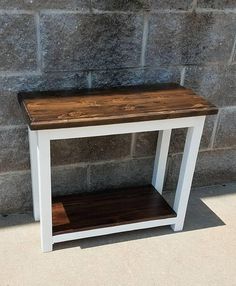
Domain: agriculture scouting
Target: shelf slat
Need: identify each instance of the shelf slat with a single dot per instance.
(109, 208)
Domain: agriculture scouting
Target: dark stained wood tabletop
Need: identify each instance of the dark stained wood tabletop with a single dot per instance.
(61, 109)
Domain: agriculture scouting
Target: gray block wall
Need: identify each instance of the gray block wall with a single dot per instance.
(67, 44)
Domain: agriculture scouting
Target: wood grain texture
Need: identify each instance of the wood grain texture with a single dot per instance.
(109, 208)
(61, 109)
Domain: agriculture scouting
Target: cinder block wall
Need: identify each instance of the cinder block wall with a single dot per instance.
(61, 44)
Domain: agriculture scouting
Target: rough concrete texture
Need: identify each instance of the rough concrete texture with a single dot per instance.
(216, 83)
(90, 149)
(226, 130)
(79, 41)
(216, 4)
(46, 81)
(167, 74)
(121, 5)
(11, 113)
(45, 4)
(124, 77)
(121, 77)
(77, 44)
(15, 192)
(211, 166)
(145, 144)
(14, 151)
(121, 174)
(187, 38)
(171, 4)
(18, 43)
(203, 254)
(73, 176)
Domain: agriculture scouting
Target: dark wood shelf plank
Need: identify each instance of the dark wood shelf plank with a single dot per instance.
(60, 109)
(109, 208)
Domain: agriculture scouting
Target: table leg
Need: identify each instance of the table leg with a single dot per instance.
(33, 141)
(45, 196)
(186, 171)
(163, 143)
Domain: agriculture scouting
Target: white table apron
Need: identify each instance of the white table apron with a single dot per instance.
(41, 171)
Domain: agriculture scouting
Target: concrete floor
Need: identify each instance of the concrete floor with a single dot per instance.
(203, 254)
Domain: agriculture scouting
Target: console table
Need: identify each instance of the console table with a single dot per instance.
(58, 115)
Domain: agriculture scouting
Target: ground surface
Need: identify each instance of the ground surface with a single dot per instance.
(203, 254)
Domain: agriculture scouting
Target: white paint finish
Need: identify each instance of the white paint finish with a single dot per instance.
(113, 229)
(45, 196)
(33, 142)
(42, 174)
(161, 159)
(186, 172)
(121, 128)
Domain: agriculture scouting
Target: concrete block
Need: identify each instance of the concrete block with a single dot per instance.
(125, 77)
(190, 38)
(44, 4)
(18, 43)
(216, 83)
(15, 192)
(171, 4)
(111, 78)
(121, 5)
(161, 75)
(14, 151)
(72, 42)
(213, 167)
(217, 4)
(121, 174)
(45, 81)
(69, 180)
(90, 149)
(145, 144)
(10, 113)
(226, 129)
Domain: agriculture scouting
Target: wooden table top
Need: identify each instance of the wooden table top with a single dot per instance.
(62, 109)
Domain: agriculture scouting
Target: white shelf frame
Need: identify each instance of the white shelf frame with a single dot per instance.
(41, 171)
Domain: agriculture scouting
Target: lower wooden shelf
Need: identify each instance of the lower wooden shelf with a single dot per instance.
(110, 208)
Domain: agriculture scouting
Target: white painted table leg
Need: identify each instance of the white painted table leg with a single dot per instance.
(161, 159)
(45, 196)
(186, 172)
(33, 141)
